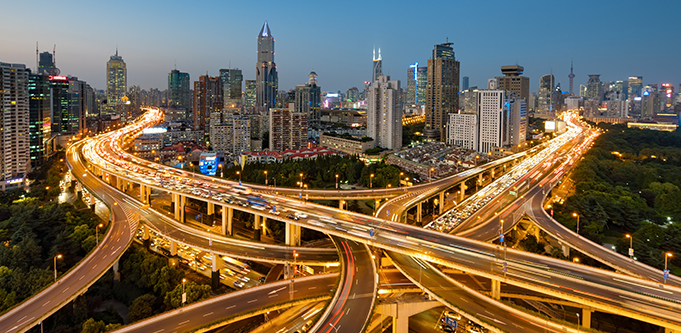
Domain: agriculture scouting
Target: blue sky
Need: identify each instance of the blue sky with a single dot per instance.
(612, 38)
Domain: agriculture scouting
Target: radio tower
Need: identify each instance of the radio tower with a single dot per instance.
(571, 76)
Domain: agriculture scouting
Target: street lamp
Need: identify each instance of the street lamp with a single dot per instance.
(301, 180)
(305, 191)
(577, 216)
(184, 295)
(220, 166)
(336, 181)
(575, 260)
(400, 182)
(631, 246)
(239, 174)
(371, 181)
(59, 256)
(265, 177)
(666, 256)
(97, 232)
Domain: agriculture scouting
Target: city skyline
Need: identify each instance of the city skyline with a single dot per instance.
(341, 52)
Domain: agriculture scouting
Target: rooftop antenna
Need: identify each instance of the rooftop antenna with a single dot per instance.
(54, 55)
(36, 57)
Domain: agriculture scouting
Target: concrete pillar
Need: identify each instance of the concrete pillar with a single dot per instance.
(145, 237)
(118, 183)
(263, 225)
(117, 274)
(442, 203)
(566, 249)
(480, 179)
(183, 201)
(496, 289)
(227, 214)
(462, 191)
(215, 273)
(492, 174)
(400, 324)
(586, 318)
(211, 208)
(292, 234)
(419, 212)
(173, 248)
(341, 203)
(256, 228)
(143, 193)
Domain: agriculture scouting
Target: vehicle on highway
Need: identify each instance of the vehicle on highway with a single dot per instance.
(292, 217)
(239, 284)
(301, 215)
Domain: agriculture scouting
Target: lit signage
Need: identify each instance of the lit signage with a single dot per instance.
(154, 130)
(15, 181)
(550, 125)
(332, 95)
(637, 98)
(58, 78)
(646, 93)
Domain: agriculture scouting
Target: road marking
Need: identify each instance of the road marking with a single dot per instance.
(252, 301)
(276, 290)
(230, 307)
(159, 331)
(312, 288)
(183, 323)
(346, 312)
(208, 314)
(46, 303)
(22, 318)
(67, 288)
(492, 319)
(275, 295)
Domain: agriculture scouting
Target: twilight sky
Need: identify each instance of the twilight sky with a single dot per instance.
(614, 38)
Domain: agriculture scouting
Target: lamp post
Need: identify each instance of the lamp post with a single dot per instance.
(400, 182)
(220, 166)
(666, 256)
(577, 216)
(305, 191)
(430, 173)
(575, 260)
(265, 177)
(239, 174)
(301, 180)
(336, 181)
(184, 295)
(631, 246)
(59, 256)
(97, 233)
(371, 181)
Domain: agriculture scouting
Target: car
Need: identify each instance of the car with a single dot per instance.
(239, 284)
(301, 215)
(292, 217)
(453, 315)
(275, 212)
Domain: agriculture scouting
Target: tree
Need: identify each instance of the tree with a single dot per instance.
(142, 307)
(195, 293)
(92, 326)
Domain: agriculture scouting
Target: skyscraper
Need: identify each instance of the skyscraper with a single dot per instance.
(650, 103)
(14, 113)
(442, 91)
(249, 92)
(178, 90)
(593, 88)
(635, 86)
(513, 81)
(308, 98)
(46, 64)
(384, 116)
(266, 70)
(464, 83)
(416, 84)
(492, 125)
(378, 66)
(288, 129)
(207, 99)
(116, 79)
(545, 96)
(232, 82)
(571, 76)
(39, 92)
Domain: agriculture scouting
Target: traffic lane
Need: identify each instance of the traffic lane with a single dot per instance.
(482, 307)
(246, 300)
(352, 310)
(292, 319)
(86, 272)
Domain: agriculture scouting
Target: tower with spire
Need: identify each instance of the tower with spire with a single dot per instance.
(571, 76)
(378, 66)
(266, 70)
(116, 81)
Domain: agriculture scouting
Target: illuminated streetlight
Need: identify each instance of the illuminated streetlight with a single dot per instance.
(336, 181)
(666, 256)
(184, 295)
(577, 216)
(301, 180)
(97, 232)
(575, 260)
(59, 256)
(371, 181)
(265, 177)
(631, 246)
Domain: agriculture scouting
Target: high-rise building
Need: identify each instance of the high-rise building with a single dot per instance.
(308, 98)
(378, 66)
(635, 86)
(650, 103)
(288, 129)
(230, 133)
(417, 77)
(465, 83)
(469, 100)
(594, 88)
(179, 93)
(232, 82)
(207, 99)
(249, 93)
(516, 108)
(462, 130)
(40, 123)
(442, 91)
(492, 123)
(68, 105)
(666, 96)
(384, 117)
(14, 121)
(46, 64)
(352, 95)
(116, 79)
(545, 96)
(266, 70)
(571, 76)
(513, 81)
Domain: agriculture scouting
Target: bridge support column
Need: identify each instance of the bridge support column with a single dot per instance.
(669, 330)
(496, 289)
(143, 193)
(442, 202)
(118, 183)
(117, 274)
(145, 237)
(341, 203)
(401, 324)
(566, 249)
(400, 312)
(215, 273)
(492, 174)
(462, 191)
(173, 248)
(479, 179)
(419, 213)
(183, 201)
(256, 228)
(292, 234)
(586, 318)
(211, 212)
(227, 214)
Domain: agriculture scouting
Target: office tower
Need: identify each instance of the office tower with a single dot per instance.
(378, 66)
(593, 88)
(40, 123)
(492, 123)
(516, 109)
(207, 99)
(412, 77)
(492, 84)
(308, 98)
(288, 129)
(352, 95)
(464, 83)
(650, 103)
(635, 86)
(513, 81)
(384, 116)
(179, 93)
(462, 130)
(116, 79)
(421, 82)
(249, 92)
(266, 70)
(469, 100)
(14, 109)
(532, 103)
(442, 91)
(666, 96)
(46, 64)
(74, 120)
(571, 76)
(232, 82)
(545, 95)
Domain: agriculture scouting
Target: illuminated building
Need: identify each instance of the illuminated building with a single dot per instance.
(266, 70)
(417, 77)
(465, 83)
(307, 98)
(288, 129)
(513, 81)
(178, 90)
(516, 109)
(232, 81)
(666, 97)
(207, 98)
(635, 86)
(46, 64)
(249, 92)
(442, 91)
(462, 130)
(208, 163)
(352, 95)
(654, 126)
(593, 88)
(469, 100)
(650, 103)
(492, 122)
(230, 133)
(40, 123)
(384, 116)
(14, 106)
(545, 96)
(377, 67)
(116, 80)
